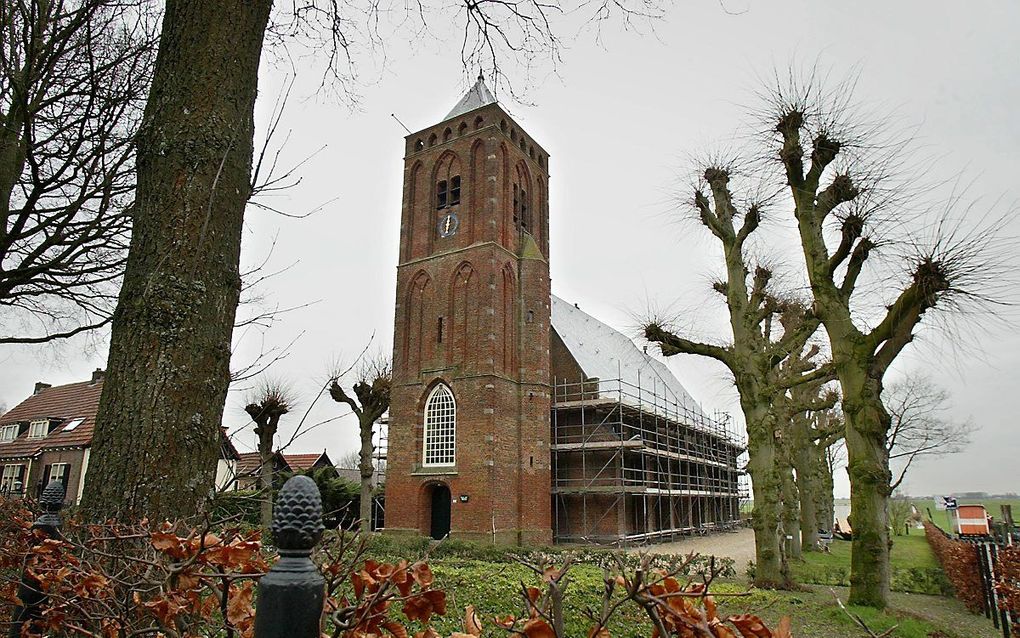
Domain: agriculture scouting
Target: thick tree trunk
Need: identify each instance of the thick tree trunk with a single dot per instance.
(825, 506)
(804, 463)
(867, 423)
(367, 471)
(157, 431)
(763, 466)
(791, 513)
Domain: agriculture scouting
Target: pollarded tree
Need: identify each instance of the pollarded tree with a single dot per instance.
(266, 405)
(73, 80)
(839, 174)
(800, 410)
(753, 356)
(370, 401)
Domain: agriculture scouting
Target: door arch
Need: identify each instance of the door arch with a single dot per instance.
(440, 500)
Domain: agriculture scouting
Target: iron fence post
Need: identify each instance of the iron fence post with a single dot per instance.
(32, 599)
(291, 595)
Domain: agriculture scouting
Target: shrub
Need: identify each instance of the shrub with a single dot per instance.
(960, 564)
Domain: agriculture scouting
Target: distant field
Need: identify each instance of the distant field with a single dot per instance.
(993, 505)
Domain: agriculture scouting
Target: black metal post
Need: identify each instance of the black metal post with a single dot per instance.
(292, 594)
(32, 599)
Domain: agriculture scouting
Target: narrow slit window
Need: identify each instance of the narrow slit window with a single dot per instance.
(439, 330)
(441, 193)
(454, 190)
(517, 204)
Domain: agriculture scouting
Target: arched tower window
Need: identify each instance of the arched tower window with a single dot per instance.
(440, 440)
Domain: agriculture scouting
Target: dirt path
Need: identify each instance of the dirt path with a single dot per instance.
(738, 545)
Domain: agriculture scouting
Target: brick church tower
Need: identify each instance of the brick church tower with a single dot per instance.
(470, 411)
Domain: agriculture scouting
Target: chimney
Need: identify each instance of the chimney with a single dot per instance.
(40, 386)
(97, 376)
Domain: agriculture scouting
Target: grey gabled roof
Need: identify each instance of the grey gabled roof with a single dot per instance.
(476, 97)
(606, 353)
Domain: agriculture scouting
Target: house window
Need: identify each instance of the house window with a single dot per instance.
(441, 193)
(8, 433)
(38, 429)
(58, 472)
(10, 481)
(440, 427)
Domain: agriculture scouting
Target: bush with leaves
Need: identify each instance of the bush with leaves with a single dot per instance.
(181, 580)
(959, 562)
(1007, 586)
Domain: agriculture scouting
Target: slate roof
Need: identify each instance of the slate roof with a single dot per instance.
(63, 403)
(605, 353)
(476, 97)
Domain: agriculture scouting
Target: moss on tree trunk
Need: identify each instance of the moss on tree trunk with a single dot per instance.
(868, 467)
(156, 440)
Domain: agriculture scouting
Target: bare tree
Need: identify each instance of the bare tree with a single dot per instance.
(900, 510)
(73, 79)
(847, 194)
(754, 355)
(349, 461)
(168, 370)
(266, 405)
(920, 424)
(370, 401)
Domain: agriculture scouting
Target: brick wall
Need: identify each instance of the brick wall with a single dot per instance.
(472, 311)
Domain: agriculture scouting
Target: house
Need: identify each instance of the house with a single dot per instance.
(48, 436)
(515, 417)
(249, 466)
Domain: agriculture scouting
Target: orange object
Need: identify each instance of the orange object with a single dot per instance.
(972, 520)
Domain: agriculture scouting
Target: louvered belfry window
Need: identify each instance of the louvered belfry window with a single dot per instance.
(440, 427)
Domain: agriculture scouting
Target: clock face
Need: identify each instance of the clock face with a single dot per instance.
(448, 225)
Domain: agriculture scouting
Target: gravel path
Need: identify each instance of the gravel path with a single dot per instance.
(738, 545)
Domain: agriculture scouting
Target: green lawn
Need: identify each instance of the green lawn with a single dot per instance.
(914, 568)
(482, 576)
(993, 505)
(493, 588)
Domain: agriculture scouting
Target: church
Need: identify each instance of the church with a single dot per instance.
(515, 417)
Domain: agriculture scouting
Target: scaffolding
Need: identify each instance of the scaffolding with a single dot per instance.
(634, 464)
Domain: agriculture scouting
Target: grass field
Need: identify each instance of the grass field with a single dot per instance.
(914, 568)
(993, 505)
(492, 585)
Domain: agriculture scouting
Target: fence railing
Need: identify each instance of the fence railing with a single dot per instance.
(980, 575)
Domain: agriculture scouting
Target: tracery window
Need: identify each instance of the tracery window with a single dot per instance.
(440, 440)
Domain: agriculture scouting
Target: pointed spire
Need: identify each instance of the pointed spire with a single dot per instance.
(476, 97)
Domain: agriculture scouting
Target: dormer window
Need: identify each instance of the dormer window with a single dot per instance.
(8, 433)
(38, 429)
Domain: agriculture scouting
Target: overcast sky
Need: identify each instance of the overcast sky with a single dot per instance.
(621, 120)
